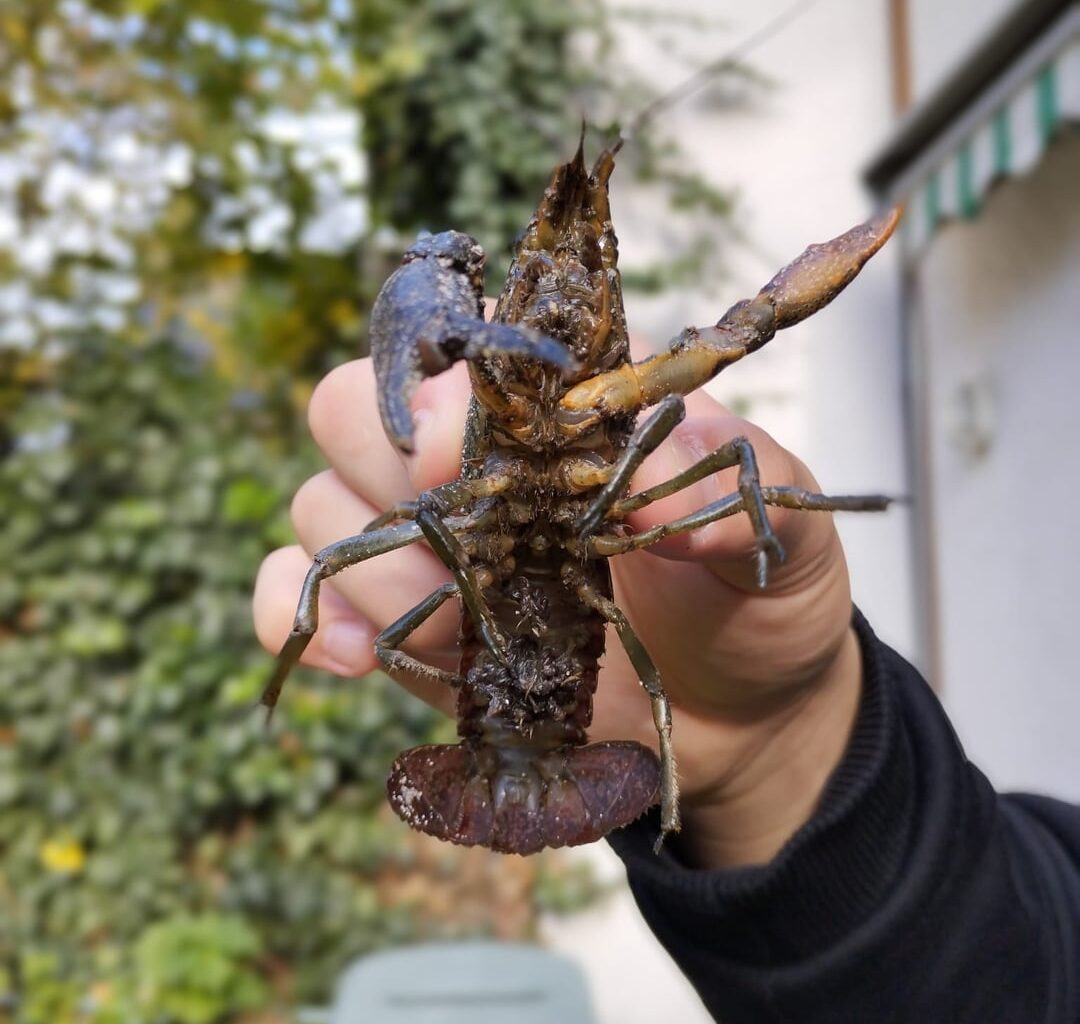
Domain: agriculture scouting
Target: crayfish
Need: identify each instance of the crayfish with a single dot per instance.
(550, 447)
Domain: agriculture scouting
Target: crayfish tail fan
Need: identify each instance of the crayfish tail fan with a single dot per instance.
(515, 801)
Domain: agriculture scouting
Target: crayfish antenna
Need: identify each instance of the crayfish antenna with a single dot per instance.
(605, 162)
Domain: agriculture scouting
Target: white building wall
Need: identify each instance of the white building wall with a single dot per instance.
(942, 33)
(829, 389)
(998, 302)
(997, 309)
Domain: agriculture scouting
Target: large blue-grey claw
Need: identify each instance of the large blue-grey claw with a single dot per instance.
(428, 316)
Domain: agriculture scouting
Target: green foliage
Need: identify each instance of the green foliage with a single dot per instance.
(47, 996)
(186, 193)
(467, 105)
(136, 782)
(197, 970)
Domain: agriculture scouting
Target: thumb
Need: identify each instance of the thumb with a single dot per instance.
(728, 546)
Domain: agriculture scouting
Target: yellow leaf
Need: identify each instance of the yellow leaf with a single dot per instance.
(364, 80)
(144, 7)
(343, 315)
(403, 59)
(14, 29)
(62, 856)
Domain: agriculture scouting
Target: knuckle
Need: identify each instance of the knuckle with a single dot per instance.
(335, 396)
(309, 499)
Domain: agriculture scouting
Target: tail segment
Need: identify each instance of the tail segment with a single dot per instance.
(516, 801)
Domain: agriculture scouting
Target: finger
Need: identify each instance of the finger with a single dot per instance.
(343, 643)
(381, 589)
(439, 412)
(345, 423)
(727, 546)
(344, 419)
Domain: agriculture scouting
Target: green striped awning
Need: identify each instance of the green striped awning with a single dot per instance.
(1002, 134)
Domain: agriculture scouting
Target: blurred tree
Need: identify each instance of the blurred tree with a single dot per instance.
(186, 191)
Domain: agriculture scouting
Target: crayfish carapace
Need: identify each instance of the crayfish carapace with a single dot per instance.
(550, 448)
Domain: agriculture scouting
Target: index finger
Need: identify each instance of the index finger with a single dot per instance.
(344, 420)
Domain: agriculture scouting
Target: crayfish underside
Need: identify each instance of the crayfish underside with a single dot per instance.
(525, 532)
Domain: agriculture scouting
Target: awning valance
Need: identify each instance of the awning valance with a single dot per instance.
(1001, 133)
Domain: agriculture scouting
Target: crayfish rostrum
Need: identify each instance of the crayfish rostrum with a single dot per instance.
(550, 447)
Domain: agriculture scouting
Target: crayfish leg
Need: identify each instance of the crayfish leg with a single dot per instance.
(644, 441)
(736, 452)
(752, 497)
(453, 555)
(454, 495)
(328, 562)
(651, 683)
(388, 642)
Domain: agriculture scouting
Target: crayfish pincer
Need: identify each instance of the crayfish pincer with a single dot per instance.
(430, 314)
(550, 448)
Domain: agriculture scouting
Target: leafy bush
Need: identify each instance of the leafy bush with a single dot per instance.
(182, 267)
(197, 970)
(135, 778)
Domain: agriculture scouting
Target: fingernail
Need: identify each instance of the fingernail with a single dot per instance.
(347, 644)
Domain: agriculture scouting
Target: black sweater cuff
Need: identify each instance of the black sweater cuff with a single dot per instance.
(830, 875)
(914, 893)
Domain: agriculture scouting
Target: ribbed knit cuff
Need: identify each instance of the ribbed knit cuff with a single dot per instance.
(827, 878)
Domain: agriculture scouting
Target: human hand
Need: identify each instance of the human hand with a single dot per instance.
(764, 684)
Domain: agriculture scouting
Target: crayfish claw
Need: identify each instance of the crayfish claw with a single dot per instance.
(478, 339)
(429, 315)
(824, 270)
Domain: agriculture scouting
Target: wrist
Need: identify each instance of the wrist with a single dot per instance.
(782, 774)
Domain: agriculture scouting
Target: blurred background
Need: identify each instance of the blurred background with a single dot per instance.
(198, 204)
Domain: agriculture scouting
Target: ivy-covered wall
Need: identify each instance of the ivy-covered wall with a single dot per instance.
(187, 191)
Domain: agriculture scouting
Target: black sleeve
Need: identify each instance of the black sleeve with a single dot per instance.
(915, 893)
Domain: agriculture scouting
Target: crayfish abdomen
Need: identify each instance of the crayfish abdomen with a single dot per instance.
(522, 778)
